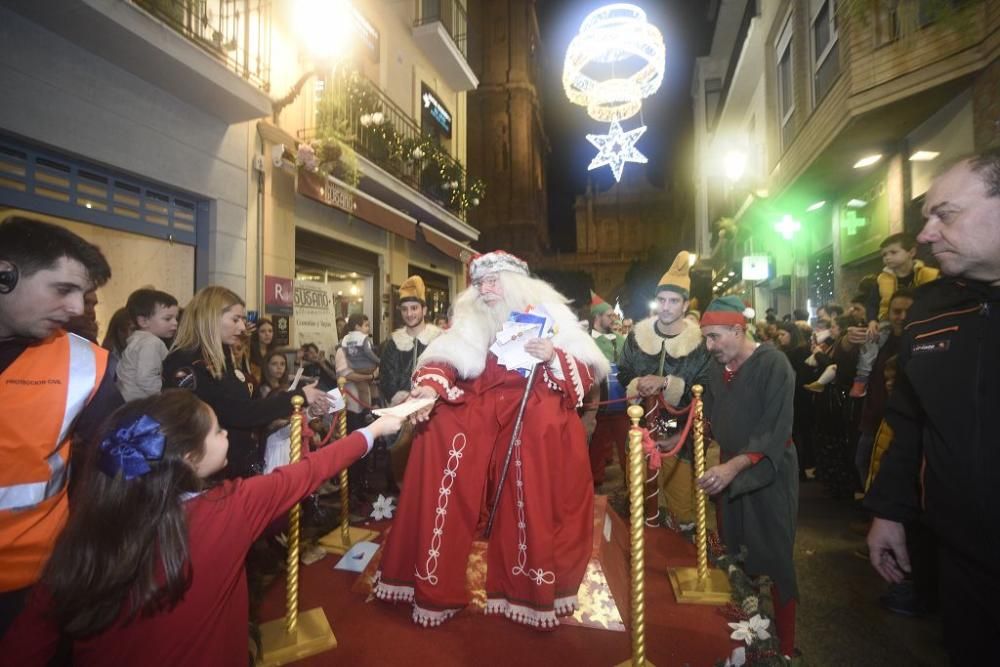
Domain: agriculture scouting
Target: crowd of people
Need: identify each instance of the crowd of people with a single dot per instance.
(168, 423)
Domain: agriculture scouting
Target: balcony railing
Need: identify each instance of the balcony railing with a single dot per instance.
(451, 14)
(356, 112)
(236, 32)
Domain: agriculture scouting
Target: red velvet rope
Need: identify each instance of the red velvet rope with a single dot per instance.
(357, 400)
(677, 412)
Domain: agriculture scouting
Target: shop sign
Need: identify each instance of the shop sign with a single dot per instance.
(863, 221)
(278, 297)
(281, 330)
(315, 318)
(434, 112)
(755, 267)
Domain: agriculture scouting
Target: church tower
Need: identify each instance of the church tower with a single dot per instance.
(507, 146)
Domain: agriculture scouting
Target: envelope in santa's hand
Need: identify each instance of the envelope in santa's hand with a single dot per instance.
(518, 330)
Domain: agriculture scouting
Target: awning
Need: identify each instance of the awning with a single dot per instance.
(337, 194)
(445, 243)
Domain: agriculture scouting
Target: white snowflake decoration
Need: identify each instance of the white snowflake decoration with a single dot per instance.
(616, 148)
(383, 508)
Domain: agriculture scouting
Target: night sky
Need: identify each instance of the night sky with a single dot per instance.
(686, 30)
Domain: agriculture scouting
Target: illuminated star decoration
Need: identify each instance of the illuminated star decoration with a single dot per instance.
(616, 148)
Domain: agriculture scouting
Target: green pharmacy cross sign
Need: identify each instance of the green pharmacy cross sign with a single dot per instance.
(788, 227)
(851, 222)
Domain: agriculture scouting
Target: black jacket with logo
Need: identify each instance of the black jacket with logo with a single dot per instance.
(945, 412)
(237, 404)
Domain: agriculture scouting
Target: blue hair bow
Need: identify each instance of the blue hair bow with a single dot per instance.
(130, 448)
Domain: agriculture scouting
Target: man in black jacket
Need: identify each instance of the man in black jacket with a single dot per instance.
(944, 458)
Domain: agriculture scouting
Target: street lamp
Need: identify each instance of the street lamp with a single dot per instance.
(734, 164)
(324, 28)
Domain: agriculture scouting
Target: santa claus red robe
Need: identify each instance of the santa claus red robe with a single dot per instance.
(541, 541)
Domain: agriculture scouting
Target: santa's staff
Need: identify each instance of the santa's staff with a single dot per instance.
(515, 436)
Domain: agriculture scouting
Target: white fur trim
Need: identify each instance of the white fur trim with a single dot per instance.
(431, 619)
(404, 341)
(521, 613)
(453, 393)
(384, 591)
(567, 605)
(681, 345)
(674, 391)
(632, 390)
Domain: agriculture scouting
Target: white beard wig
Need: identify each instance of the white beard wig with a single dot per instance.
(465, 344)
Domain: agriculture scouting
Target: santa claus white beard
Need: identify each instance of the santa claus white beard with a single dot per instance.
(493, 315)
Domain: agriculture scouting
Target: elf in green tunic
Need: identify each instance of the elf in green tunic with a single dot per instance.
(665, 356)
(611, 423)
(748, 402)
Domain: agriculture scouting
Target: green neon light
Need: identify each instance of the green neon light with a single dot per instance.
(852, 222)
(788, 227)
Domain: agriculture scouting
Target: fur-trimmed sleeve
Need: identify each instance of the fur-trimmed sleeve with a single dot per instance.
(441, 378)
(568, 375)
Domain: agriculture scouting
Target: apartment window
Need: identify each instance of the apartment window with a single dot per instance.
(826, 54)
(786, 89)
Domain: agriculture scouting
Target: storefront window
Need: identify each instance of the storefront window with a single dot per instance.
(343, 273)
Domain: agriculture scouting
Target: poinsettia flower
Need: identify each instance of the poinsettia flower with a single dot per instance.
(383, 508)
(738, 657)
(748, 631)
(759, 625)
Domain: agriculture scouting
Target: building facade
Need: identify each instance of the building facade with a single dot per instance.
(617, 228)
(508, 147)
(819, 126)
(176, 135)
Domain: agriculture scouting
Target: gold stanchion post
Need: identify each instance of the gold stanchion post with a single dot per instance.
(637, 524)
(701, 584)
(349, 535)
(297, 635)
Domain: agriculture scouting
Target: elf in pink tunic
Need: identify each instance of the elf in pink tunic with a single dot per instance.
(541, 540)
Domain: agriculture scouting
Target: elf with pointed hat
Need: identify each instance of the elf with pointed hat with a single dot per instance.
(748, 402)
(407, 343)
(664, 357)
(610, 423)
(399, 358)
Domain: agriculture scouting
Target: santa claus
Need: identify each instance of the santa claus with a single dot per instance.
(541, 539)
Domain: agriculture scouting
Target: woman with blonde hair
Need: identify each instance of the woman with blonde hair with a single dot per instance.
(202, 361)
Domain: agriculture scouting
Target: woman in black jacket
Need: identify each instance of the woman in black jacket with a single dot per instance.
(791, 341)
(201, 360)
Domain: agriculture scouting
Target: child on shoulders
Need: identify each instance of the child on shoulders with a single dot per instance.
(900, 270)
(154, 318)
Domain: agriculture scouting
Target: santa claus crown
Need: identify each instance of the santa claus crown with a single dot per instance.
(493, 262)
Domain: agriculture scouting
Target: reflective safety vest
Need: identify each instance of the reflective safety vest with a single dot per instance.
(41, 395)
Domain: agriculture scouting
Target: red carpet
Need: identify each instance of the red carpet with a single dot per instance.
(378, 633)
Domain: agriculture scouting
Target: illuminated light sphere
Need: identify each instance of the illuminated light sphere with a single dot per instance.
(616, 148)
(619, 36)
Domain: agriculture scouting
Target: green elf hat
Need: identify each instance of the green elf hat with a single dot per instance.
(676, 279)
(726, 311)
(598, 306)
